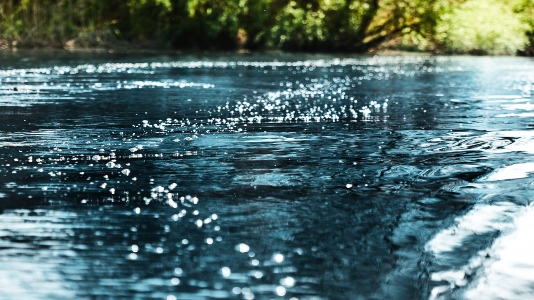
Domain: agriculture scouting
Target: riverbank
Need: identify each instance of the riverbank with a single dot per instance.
(130, 49)
(106, 42)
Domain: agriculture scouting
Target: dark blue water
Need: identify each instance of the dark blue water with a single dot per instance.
(265, 176)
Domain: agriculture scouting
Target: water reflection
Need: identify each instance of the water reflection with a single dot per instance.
(259, 177)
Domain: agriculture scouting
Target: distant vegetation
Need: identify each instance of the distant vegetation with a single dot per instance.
(443, 26)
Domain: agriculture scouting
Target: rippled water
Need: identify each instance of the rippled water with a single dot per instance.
(265, 177)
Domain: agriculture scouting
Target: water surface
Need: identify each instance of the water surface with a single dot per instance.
(265, 177)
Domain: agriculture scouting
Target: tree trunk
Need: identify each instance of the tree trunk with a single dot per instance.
(367, 19)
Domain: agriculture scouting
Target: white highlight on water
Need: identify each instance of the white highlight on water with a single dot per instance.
(515, 171)
(481, 219)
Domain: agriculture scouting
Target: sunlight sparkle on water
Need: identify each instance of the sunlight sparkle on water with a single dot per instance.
(243, 248)
(280, 291)
(288, 281)
(278, 258)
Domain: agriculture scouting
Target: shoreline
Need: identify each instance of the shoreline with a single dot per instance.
(160, 52)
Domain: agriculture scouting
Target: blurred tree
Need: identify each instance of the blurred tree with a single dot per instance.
(526, 10)
(345, 25)
(141, 19)
(305, 25)
(204, 24)
(500, 29)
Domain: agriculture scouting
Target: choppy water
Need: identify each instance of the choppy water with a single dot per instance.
(265, 177)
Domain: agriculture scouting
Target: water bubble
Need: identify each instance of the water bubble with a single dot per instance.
(209, 241)
(175, 281)
(236, 290)
(135, 248)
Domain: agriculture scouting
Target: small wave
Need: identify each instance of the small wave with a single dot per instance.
(509, 274)
(481, 219)
(503, 141)
(515, 171)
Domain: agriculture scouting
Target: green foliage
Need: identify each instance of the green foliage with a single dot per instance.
(456, 26)
(299, 27)
(206, 24)
(526, 9)
(484, 27)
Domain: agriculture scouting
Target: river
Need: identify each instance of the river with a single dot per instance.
(265, 176)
